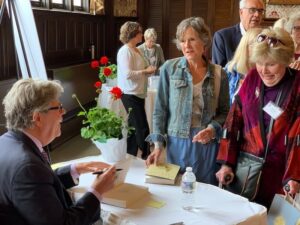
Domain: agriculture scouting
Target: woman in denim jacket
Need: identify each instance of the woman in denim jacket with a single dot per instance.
(187, 116)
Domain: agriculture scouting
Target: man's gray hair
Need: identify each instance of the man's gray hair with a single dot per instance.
(26, 97)
(243, 4)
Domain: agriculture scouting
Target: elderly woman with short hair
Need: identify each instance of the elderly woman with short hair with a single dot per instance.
(293, 27)
(151, 50)
(189, 113)
(249, 125)
(133, 72)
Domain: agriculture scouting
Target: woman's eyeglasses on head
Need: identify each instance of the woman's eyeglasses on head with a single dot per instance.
(271, 41)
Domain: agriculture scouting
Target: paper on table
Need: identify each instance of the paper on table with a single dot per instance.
(155, 204)
(124, 165)
(57, 165)
(167, 171)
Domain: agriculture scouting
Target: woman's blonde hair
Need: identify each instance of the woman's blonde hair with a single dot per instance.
(281, 23)
(129, 30)
(240, 60)
(282, 52)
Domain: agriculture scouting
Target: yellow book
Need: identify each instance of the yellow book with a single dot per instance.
(125, 195)
(162, 174)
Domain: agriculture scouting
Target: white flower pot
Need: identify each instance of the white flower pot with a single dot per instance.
(114, 150)
(111, 82)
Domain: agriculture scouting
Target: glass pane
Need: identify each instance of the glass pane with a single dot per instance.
(57, 1)
(77, 3)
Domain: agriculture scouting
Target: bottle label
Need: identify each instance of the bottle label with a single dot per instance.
(187, 186)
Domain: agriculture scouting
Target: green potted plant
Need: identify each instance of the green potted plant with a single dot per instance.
(104, 127)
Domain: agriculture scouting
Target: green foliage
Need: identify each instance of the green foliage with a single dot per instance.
(101, 124)
(113, 75)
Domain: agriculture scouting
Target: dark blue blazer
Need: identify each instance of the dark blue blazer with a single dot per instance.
(225, 42)
(32, 193)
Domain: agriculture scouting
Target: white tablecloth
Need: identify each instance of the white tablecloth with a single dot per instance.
(217, 206)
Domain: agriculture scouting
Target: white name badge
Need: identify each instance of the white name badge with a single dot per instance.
(273, 110)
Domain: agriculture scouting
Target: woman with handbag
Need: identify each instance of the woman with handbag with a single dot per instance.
(261, 123)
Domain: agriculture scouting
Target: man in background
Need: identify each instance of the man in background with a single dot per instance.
(226, 40)
(31, 192)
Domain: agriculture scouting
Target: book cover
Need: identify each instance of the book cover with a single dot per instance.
(158, 180)
(162, 174)
(124, 195)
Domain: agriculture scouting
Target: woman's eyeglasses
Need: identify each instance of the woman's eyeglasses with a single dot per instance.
(271, 41)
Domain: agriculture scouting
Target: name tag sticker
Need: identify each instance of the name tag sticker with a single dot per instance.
(273, 110)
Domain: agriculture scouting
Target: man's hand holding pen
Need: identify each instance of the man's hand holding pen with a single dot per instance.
(102, 171)
(104, 181)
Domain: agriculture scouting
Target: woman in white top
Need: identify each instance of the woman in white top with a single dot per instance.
(133, 72)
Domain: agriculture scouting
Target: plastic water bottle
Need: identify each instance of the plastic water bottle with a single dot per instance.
(188, 186)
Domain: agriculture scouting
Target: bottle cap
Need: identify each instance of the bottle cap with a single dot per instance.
(189, 169)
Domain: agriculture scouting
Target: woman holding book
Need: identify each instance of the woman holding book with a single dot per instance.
(188, 112)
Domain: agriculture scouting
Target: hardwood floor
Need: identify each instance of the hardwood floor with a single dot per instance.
(75, 148)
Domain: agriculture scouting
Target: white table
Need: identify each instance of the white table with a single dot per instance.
(218, 207)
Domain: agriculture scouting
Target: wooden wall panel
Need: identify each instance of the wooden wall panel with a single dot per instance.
(216, 13)
(199, 8)
(7, 54)
(177, 14)
(156, 15)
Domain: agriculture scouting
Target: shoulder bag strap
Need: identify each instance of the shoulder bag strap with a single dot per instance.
(217, 84)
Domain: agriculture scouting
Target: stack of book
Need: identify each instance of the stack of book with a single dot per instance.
(162, 174)
(125, 195)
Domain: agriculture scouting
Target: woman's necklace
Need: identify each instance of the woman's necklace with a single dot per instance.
(198, 73)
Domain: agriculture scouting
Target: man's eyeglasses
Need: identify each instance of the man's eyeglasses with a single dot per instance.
(254, 10)
(272, 42)
(60, 108)
(296, 28)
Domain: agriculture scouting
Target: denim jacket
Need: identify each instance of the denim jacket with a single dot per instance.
(173, 106)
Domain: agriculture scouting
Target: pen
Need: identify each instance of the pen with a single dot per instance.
(102, 171)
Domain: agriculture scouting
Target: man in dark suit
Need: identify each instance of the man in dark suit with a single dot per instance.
(226, 40)
(31, 192)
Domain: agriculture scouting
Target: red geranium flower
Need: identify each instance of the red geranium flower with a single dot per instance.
(116, 93)
(103, 60)
(94, 64)
(97, 84)
(107, 71)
